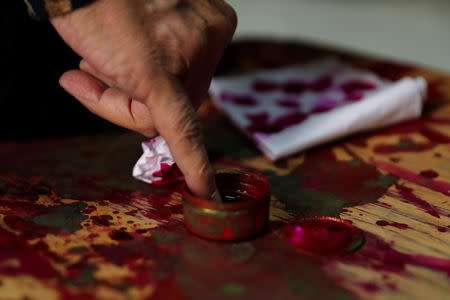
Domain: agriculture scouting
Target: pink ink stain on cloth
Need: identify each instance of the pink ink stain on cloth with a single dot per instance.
(325, 104)
(289, 103)
(354, 96)
(264, 86)
(357, 85)
(260, 122)
(243, 100)
(297, 86)
(321, 84)
(168, 173)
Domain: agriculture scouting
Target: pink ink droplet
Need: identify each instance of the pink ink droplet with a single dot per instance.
(324, 104)
(244, 100)
(288, 103)
(357, 85)
(429, 174)
(264, 86)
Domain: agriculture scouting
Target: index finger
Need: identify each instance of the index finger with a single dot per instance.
(177, 122)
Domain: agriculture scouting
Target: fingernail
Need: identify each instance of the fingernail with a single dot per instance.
(77, 86)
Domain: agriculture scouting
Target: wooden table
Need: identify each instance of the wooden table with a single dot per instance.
(74, 224)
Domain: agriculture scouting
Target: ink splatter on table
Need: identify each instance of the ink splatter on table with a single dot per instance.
(75, 225)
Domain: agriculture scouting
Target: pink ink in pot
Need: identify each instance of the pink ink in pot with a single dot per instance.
(242, 213)
(322, 236)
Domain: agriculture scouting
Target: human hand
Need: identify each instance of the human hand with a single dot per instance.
(144, 62)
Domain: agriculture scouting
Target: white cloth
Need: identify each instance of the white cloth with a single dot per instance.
(155, 160)
(291, 109)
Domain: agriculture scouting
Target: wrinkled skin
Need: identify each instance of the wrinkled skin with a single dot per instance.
(147, 65)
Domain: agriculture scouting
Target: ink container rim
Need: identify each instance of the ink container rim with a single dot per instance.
(229, 221)
(230, 206)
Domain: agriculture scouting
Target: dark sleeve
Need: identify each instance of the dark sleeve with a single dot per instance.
(44, 9)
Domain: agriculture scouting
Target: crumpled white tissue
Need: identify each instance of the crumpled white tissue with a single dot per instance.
(156, 164)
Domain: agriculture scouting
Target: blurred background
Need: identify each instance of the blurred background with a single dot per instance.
(34, 105)
(415, 31)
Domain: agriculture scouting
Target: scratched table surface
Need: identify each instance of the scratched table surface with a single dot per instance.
(74, 224)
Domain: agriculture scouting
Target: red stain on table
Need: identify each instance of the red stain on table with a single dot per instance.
(381, 256)
(429, 174)
(408, 194)
(393, 224)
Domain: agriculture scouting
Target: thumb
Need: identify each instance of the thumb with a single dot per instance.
(108, 103)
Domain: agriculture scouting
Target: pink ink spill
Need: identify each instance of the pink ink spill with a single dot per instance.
(429, 174)
(393, 224)
(442, 229)
(264, 86)
(288, 103)
(324, 105)
(244, 100)
(408, 194)
(435, 136)
(357, 85)
(260, 123)
(322, 236)
(435, 185)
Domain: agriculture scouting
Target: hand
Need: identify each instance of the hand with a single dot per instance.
(144, 62)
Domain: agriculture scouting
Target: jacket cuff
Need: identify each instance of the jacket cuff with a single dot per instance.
(44, 9)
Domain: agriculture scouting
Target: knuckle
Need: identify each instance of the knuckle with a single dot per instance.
(231, 15)
(164, 34)
(192, 132)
